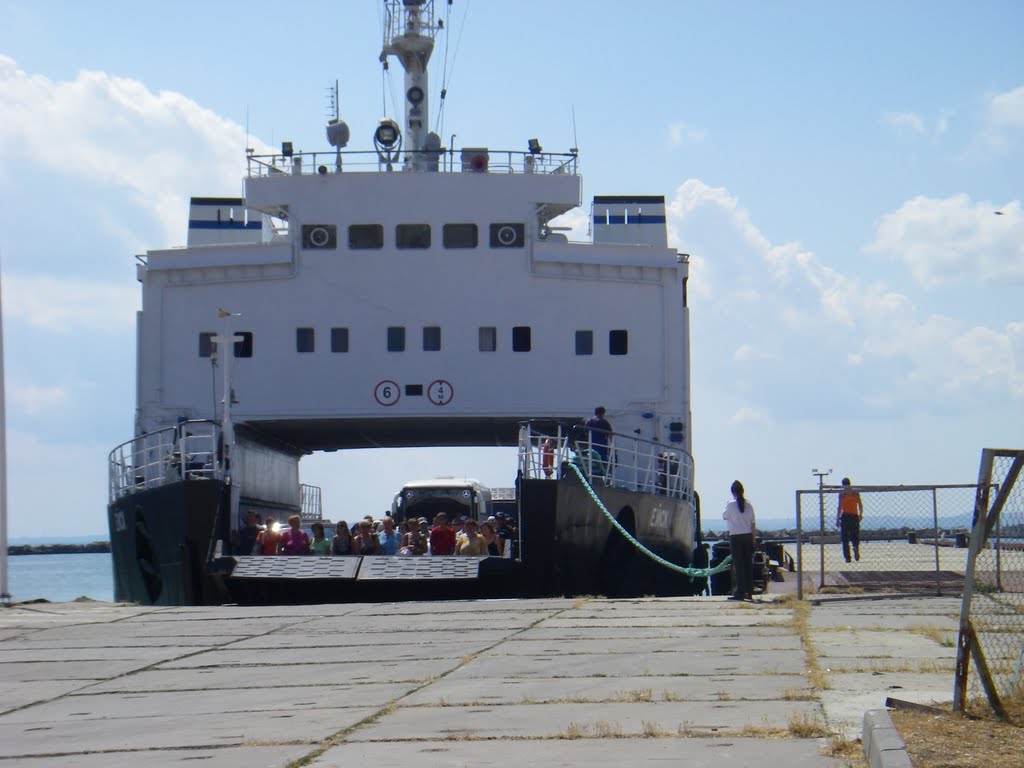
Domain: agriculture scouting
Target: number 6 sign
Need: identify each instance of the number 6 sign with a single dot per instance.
(386, 392)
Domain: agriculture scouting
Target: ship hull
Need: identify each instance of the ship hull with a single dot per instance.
(160, 542)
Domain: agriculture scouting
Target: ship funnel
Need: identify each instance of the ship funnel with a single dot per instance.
(634, 220)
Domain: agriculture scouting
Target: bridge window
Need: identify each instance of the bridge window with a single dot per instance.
(362, 236)
(460, 236)
(206, 343)
(339, 339)
(304, 340)
(584, 342)
(243, 348)
(521, 341)
(432, 338)
(488, 339)
(618, 342)
(396, 338)
(412, 236)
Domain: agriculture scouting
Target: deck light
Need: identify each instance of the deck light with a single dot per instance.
(286, 149)
(534, 145)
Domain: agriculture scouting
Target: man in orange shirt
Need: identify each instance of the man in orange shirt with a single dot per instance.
(848, 517)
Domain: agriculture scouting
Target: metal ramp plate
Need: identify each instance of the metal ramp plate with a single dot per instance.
(419, 568)
(295, 567)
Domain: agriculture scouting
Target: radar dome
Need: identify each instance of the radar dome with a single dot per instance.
(337, 133)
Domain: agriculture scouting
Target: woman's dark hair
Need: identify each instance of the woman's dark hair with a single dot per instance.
(317, 527)
(737, 491)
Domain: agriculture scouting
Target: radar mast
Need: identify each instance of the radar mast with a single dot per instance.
(409, 32)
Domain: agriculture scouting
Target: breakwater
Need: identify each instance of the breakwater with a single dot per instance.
(59, 549)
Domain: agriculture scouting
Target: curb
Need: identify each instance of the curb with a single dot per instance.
(883, 746)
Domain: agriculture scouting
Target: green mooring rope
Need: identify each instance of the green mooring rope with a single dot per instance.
(693, 573)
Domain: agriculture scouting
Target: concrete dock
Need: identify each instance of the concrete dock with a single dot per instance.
(553, 682)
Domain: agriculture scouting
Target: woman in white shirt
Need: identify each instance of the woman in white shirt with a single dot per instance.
(739, 514)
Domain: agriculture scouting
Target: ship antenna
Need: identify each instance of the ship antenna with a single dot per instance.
(446, 79)
(409, 36)
(575, 141)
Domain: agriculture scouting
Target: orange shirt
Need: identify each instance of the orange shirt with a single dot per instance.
(849, 503)
(267, 542)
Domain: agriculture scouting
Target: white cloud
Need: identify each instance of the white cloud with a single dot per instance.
(904, 122)
(952, 239)
(812, 339)
(1007, 109)
(1002, 124)
(34, 400)
(117, 134)
(68, 304)
(749, 415)
(745, 352)
(1015, 333)
(578, 222)
(681, 133)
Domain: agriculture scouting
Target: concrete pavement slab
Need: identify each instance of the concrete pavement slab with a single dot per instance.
(270, 676)
(718, 619)
(625, 665)
(693, 641)
(221, 757)
(570, 720)
(30, 671)
(17, 695)
(99, 706)
(882, 643)
(31, 652)
(582, 753)
(408, 653)
(174, 731)
(385, 642)
(545, 632)
(868, 663)
(506, 690)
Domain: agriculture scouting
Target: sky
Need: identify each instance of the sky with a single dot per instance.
(833, 169)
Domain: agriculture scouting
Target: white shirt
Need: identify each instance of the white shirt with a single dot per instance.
(739, 522)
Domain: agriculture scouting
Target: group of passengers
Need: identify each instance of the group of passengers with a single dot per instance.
(414, 537)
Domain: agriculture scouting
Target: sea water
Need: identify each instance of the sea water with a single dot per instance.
(60, 578)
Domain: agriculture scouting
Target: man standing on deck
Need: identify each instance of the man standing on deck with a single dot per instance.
(848, 517)
(600, 433)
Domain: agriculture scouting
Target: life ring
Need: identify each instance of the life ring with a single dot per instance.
(547, 457)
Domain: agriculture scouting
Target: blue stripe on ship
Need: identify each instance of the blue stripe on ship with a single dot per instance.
(196, 224)
(644, 219)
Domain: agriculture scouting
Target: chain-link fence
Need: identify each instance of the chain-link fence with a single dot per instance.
(992, 615)
(883, 538)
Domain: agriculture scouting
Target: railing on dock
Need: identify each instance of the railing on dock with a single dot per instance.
(628, 462)
(187, 451)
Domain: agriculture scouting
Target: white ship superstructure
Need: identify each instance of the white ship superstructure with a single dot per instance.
(431, 304)
(408, 295)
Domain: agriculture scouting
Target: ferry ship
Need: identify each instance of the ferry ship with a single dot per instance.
(412, 295)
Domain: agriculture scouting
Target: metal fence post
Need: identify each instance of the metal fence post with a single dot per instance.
(799, 552)
(935, 515)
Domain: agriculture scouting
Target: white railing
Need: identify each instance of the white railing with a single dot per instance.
(628, 462)
(187, 451)
(498, 161)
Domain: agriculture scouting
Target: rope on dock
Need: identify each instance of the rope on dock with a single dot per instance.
(693, 573)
